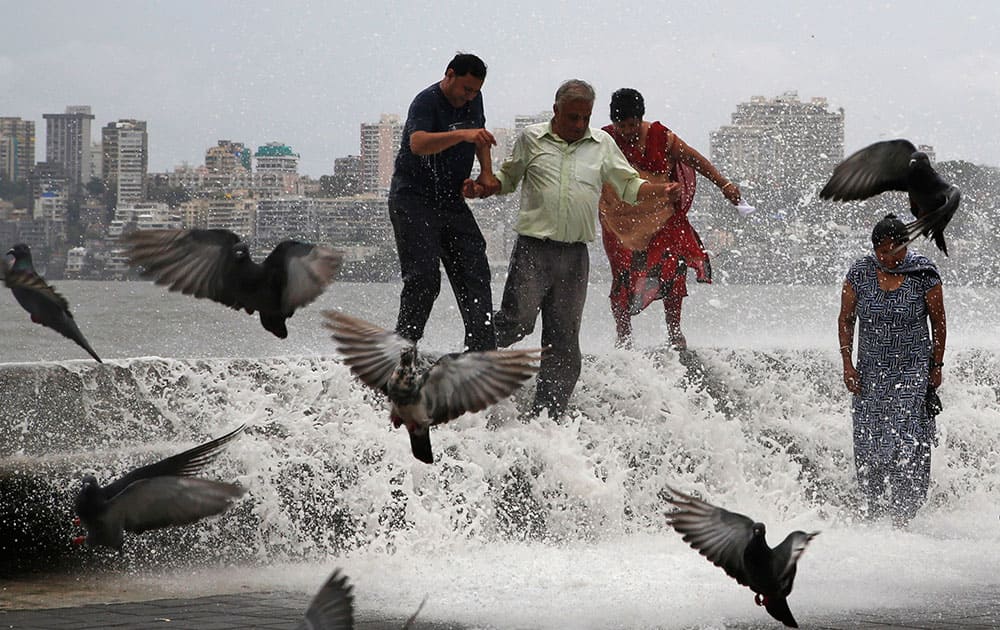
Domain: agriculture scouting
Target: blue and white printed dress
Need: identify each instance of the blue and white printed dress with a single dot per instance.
(891, 425)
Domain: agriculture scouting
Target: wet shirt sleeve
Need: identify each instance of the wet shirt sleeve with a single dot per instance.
(616, 170)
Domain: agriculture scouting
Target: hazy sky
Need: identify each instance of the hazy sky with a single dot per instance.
(308, 73)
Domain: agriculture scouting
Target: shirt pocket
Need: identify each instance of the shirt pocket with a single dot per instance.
(587, 173)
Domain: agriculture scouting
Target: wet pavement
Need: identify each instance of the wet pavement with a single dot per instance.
(285, 610)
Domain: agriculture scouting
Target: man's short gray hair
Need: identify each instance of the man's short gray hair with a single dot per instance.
(575, 90)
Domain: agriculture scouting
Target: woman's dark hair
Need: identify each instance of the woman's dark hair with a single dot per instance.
(890, 227)
(465, 63)
(627, 103)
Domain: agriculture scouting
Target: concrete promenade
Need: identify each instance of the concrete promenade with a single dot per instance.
(284, 610)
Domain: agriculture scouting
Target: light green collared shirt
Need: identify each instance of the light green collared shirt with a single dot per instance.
(562, 182)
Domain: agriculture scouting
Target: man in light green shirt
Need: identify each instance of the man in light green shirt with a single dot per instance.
(561, 166)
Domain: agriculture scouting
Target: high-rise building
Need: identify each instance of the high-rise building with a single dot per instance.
(48, 188)
(68, 142)
(345, 223)
(232, 213)
(778, 149)
(277, 171)
(379, 146)
(347, 176)
(228, 166)
(96, 166)
(125, 146)
(17, 148)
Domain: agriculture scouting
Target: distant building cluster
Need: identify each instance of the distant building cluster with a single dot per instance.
(74, 206)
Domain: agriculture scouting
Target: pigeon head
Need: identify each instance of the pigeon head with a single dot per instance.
(88, 501)
(920, 160)
(759, 530)
(403, 385)
(241, 251)
(20, 252)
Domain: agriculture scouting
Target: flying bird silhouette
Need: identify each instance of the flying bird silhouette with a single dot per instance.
(897, 165)
(162, 494)
(36, 296)
(736, 543)
(332, 608)
(216, 264)
(422, 395)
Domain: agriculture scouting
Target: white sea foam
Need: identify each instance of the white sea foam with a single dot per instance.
(545, 523)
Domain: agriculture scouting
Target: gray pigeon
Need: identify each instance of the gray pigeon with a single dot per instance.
(216, 264)
(897, 165)
(162, 494)
(46, 307)
(332, 608)
(736, 543)
(422, 397)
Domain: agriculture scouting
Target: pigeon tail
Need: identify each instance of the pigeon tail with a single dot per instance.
(778, 608)
(274, 323)
(420, 444)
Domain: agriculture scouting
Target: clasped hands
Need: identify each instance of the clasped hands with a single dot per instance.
(483, 186)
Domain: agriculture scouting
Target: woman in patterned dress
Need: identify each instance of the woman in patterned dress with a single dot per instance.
(891, 294)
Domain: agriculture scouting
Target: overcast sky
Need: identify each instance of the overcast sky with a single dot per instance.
(307, 74)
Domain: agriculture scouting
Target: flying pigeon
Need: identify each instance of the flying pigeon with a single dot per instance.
(46, 307)
(423, 396)
(736, 543)
(332, 608)
(216, 264)
(159, 495)
(897, 165)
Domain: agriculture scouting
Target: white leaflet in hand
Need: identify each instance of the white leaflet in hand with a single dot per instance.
(745, 208)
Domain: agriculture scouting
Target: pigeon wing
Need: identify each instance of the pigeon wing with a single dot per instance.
(36, 284)
(307, 269)
(933, 222)
(333, 606)
(718, 534)
(371, 352)
(872, 170)
(185, 464)
(472, 381)
(193, 262)
(786, 556)
(169, 501)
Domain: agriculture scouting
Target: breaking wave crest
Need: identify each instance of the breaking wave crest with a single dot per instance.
(327, 475)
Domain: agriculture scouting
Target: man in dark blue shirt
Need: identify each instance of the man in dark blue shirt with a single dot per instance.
(445, 129)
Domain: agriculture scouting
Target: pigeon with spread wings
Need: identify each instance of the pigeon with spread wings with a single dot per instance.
(737, 544)
(421, 398)
(162, 494)
(898, 165)
(216, 264)
(36, 296)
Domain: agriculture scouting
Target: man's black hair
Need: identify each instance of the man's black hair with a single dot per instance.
(890, 227)
(465, 63)
(627, 103)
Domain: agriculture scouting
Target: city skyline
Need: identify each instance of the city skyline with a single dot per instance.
(305, 74)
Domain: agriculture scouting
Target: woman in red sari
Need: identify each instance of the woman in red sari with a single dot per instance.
(650, 255)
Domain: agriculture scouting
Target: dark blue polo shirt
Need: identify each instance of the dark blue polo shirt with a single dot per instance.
(437, 177)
